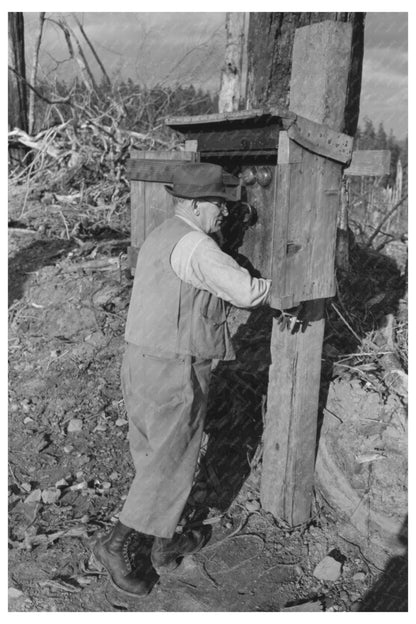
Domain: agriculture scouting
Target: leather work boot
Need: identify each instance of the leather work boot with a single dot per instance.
(111, 551)
(167, 552)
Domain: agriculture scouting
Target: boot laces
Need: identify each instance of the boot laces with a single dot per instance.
(127, 556)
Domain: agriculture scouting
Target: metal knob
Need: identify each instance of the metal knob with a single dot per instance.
(264, 176)
(249, 175)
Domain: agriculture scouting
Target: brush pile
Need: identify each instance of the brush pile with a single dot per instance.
(81, 163)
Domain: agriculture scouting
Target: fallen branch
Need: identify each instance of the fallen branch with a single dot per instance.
(346, 322)
(39, 145)
(384, 220)
(109, 264)
(21, 230)
(66, 100)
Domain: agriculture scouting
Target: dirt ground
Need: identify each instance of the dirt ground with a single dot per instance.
(69, 465)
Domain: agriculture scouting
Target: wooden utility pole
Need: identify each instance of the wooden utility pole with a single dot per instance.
(17, 73)
(269, 49)
(231, 75)
(312, 67)
(17, 91)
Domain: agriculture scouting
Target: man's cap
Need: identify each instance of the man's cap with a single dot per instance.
(199, 180)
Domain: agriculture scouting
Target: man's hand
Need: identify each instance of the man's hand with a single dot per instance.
(292, 319)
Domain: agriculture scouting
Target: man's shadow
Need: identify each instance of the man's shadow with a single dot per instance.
(236, 407)
(238, 389)
(390, 592)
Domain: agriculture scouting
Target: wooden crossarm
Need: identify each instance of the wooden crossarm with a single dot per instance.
(369, 163)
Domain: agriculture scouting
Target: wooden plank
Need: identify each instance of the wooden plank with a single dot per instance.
(314, 198)
(288, 155)
(320, 71)
(369, 163)
(238, 156)
(290, 432)
(253, 114)
(311, 187)
(151, 170)
(191, 146)
(304, 237)
(321, 140)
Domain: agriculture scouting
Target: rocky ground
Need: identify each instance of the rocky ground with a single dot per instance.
(69, 465)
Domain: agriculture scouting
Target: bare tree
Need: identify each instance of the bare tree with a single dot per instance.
(85, 71)
(97, 58)
(231, 75)
(18, 117)
(33, 77)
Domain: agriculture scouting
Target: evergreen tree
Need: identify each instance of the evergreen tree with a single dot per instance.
(381, 138)
(368, 136)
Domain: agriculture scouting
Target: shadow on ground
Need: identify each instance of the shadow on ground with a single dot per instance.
(390, 592)
(236, 409)
(30, 259)
(371, 289)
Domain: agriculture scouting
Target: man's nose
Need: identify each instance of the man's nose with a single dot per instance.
(224, 210)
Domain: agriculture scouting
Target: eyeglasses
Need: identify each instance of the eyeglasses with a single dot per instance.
(219, 204)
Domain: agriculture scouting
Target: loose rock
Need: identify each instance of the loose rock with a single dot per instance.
(62, 483)
(34, 497)
(306, 606)
(75, 424)
(120, 422)
(252, 505)
(51, 495)
(359, 577)
(328, 569)
(14, 593)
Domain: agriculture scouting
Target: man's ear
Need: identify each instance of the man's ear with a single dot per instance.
(195, 207)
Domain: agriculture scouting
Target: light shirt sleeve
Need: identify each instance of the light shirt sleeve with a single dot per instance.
(199, 261)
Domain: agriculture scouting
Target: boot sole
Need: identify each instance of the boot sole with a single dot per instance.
(102, 565)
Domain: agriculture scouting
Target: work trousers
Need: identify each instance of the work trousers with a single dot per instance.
(166, 403)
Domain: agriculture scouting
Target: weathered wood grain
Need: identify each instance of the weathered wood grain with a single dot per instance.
(289, 438)
(307, 204)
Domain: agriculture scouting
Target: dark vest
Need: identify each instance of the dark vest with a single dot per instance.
(168, 317)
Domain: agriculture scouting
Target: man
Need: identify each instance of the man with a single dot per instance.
(176, 326)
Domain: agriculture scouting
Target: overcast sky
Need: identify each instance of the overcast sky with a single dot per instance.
(189, 48)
